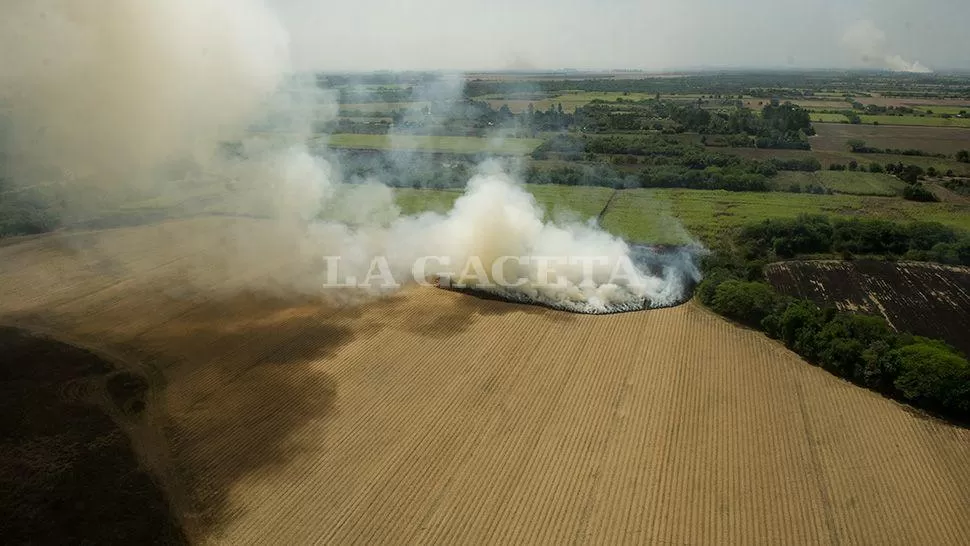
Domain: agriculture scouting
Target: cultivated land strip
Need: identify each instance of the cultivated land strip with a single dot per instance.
(926, 299)
(432, 417)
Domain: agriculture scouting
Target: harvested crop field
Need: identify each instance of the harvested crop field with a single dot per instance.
(433, 417)
(832, 137)
(925, 299)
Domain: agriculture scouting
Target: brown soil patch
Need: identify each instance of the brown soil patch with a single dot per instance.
(832, 137)
(925, 299)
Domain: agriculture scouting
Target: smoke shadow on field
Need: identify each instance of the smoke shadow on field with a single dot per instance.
(67, 467)
(238, 414)
(459, 311)
(235, 383)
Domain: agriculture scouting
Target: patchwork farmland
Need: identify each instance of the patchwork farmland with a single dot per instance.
(436, 418)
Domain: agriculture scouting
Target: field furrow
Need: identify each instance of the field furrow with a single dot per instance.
(432, 417)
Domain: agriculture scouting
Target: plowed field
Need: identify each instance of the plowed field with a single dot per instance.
(925, 299)
(432, 417)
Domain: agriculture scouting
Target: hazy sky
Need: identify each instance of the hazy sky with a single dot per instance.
(650, 34)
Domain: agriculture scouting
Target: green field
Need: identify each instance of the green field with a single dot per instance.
(570, 202)
(676, 216)
(569, 100)
(818, 117)
(847, 182)
(578, 203)
(952, 110)
(444, 144)
(415, 201)
(371, 107)
(644, 215)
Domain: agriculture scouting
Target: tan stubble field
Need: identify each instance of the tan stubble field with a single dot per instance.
(431, 417)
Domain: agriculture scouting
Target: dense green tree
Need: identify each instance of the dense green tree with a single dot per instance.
(746, 302)
(917, 192)
(932, 374)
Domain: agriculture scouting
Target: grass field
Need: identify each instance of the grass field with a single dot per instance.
(578, 202)
(559, 202)
(569, 100)
(653, 215)
(415, 201)
(847, 182)
(445, 144)
(385, 107)
(940, 109)
(429, 417)
(818, 117)
(645, 215)
(677, 216)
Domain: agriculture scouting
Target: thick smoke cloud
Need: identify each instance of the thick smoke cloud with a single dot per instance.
(110, 90)
(868, 42)
(120, 100)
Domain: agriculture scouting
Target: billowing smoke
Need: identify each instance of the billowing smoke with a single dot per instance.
(495, 240)
(868, 42)
(114, 100)
(110, 90)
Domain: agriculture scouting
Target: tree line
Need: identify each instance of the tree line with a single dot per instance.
(784, 126)
(863, 349)
(775, 239)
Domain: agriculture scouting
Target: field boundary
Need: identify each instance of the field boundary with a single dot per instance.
(606, 207)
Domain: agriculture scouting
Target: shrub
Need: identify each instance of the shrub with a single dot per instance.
(916, 192)
(842, 343)
(712, 280)
(932, 374)
(746, 302)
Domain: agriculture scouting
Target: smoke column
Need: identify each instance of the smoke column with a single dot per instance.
(868, 42)
(114, 98)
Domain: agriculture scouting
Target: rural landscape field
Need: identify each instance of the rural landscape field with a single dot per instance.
(434, 417)
(267, 276)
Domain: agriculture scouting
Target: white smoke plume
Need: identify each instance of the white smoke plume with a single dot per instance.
(868, 42)
(114, 98)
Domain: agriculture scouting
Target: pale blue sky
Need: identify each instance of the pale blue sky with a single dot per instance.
(657, 35)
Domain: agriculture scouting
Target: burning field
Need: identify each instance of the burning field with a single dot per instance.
(431, 417)
(279, 366)
(672, 270)
(925, 299)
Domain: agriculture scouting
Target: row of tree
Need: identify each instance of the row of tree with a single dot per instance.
(24, 211)
(859, 146)
(815, 234)
(661, 150)
(779, 126)
(863, 349)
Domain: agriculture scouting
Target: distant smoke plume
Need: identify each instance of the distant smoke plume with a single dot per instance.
(115, 100)
(868, 42)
